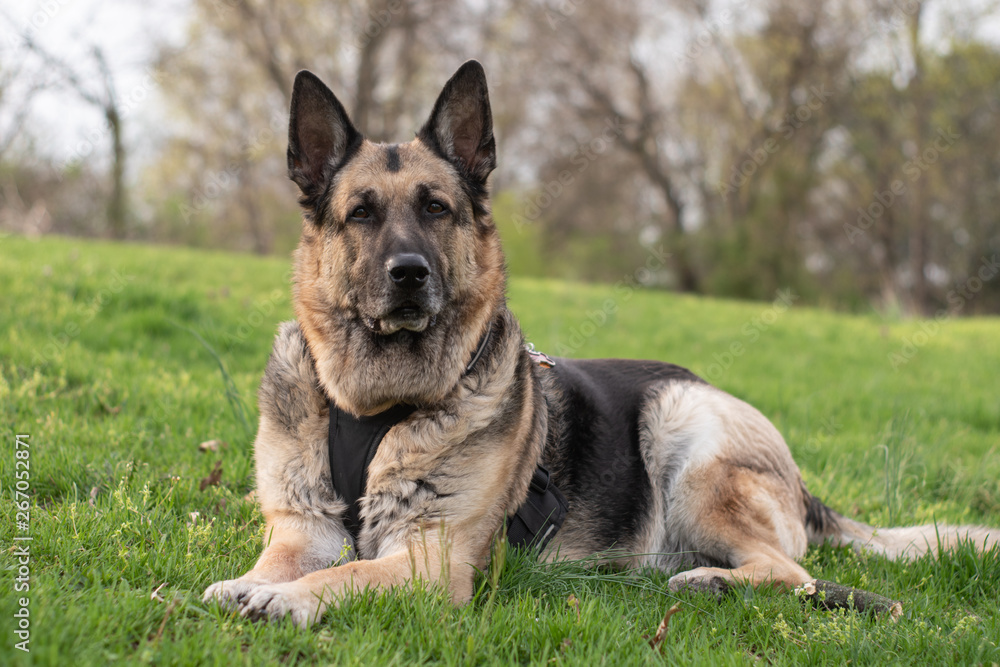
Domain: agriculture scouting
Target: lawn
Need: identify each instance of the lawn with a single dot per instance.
(119, 360)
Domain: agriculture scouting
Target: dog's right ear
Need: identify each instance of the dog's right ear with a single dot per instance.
(320, 136)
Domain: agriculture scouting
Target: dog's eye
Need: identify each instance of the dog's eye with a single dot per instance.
(435, 207)
(360, 213)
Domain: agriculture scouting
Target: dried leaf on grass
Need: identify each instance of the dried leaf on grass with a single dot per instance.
(213, 477)
(212, 445)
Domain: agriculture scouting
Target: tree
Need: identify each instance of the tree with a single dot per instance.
(103, 95)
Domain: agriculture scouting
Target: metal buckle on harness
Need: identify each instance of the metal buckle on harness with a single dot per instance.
(540, 358)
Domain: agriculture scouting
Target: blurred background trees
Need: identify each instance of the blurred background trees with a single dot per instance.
(848, 151)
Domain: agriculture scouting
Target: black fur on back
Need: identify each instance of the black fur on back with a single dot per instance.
(593, 449)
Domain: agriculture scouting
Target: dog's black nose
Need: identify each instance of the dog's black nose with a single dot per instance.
(408, 270)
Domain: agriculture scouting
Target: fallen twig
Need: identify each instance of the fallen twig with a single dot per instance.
(830, 595)
(661, 632)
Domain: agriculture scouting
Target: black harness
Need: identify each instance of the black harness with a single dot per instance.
(353, 442)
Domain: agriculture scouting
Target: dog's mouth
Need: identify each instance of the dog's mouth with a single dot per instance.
(408, 315)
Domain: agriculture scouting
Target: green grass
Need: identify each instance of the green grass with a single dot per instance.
(98, 363)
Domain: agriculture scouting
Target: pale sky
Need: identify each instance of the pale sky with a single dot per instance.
(129, 31)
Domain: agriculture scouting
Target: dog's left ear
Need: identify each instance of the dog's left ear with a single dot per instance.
(460, 128)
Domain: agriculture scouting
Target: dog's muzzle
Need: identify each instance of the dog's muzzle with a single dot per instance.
(412, 298)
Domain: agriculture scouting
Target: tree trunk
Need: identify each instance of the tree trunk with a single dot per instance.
(259, 233)
(687, 276)
(117, 205)
(919, 232)
(396, 107)
(889, 260)
(367, 80)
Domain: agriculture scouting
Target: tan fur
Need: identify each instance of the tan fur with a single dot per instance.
(306, 598)
(909, 542)
(487, 472)
(704, 496)
(327, 271)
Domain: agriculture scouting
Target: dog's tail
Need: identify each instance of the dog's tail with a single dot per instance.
(902, 543)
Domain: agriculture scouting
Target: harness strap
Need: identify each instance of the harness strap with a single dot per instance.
(353, 442)
(540, 516)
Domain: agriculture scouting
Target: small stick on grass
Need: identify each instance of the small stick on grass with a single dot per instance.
(830, 595)
(661, 632)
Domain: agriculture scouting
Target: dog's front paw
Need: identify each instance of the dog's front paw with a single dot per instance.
(278, 600)
(230, 593)
(699, 580)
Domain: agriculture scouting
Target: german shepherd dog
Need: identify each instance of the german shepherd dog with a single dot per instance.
(399, 296)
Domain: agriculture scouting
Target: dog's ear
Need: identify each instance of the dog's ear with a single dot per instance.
(460, 128)
(320, 136)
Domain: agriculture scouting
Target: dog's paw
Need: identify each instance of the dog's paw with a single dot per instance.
(276, 601)
(699, 580)
(230, 593)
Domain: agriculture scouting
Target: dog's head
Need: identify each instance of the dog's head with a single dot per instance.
(398, 243)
